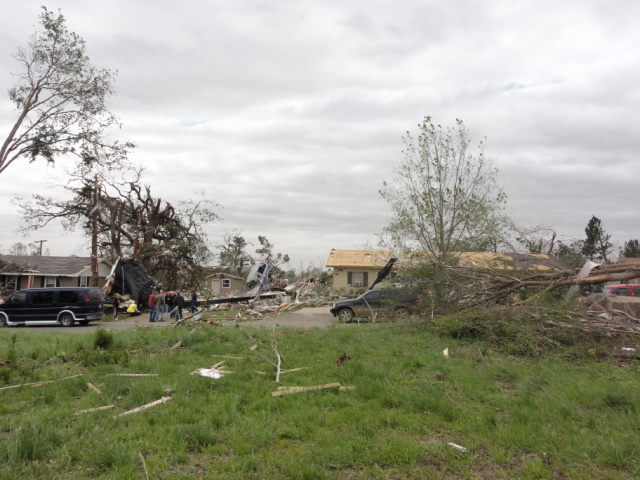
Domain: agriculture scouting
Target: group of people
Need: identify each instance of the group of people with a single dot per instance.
(160, 303)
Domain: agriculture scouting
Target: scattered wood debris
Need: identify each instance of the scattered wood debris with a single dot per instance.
(457, 447)
(177, 346)
(97, 409)
(37, 384)
(144, 407)
(292, 390)
(93, 387)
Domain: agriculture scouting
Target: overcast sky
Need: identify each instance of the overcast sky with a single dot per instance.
(290, 115)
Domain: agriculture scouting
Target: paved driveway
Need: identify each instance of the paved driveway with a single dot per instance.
(304, 318)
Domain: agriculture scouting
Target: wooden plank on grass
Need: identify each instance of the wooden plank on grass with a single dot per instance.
(37, 384)
(144, 407)
(292, 390)
(93, 387)
(97, 409)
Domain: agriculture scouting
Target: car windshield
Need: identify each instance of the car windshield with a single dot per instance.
(607, 288)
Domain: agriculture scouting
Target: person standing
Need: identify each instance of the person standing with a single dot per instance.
(178, 304)
(162, 306)
(194, 301)
(168, 298)
(115, 301)
(153, 306)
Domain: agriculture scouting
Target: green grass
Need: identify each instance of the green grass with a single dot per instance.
(519, 417)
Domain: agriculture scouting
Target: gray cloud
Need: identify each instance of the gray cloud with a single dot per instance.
(291, 116)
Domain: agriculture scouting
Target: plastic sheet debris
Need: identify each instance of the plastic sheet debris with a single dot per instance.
(208, 372)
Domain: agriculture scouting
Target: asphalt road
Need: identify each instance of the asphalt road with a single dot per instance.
(316, 317)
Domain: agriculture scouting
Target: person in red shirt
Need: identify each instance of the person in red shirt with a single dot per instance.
(153, 306)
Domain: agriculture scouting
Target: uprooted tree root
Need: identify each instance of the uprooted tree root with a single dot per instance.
(535, 331)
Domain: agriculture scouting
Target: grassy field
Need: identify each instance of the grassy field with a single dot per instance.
(556, 416)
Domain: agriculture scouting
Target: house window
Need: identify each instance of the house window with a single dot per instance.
(9, 282)
(49, 282)
(358, 279)
(84, 281)
(226, 283)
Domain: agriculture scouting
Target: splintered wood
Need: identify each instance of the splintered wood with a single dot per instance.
(292, 390)
(144, 407)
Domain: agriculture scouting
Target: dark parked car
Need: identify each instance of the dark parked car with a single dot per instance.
(395, 301)
(46, 306)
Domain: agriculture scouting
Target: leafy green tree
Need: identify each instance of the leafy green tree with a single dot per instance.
(234, 257)
(597, 246)
(444, 198)
(570, 254)
(61, 100)
(631, 249)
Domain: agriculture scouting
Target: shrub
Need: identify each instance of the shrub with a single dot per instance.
(103, 339)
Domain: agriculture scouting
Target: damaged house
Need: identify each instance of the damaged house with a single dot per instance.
(34, 271)
(225, 284)
(358, 269)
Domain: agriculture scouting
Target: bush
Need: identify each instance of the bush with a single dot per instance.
(103, 339)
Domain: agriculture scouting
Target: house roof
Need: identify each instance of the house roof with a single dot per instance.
(379, 258)
(224, 275)
(358, 258)
(45, 265)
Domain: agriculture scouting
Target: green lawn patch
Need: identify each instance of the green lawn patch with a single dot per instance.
(552, 416)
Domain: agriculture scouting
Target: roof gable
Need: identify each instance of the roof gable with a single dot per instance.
(45, 265)
(358, 258)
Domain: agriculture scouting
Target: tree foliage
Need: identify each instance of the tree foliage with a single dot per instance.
(168, 240)
(61, 101)
(631, 249)
(234, 256)
(445, 198)
(597, 246)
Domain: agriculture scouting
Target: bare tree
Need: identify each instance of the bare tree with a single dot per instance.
(169, 241)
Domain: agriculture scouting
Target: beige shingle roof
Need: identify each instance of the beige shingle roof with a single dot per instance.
(378, 258)
(358, 258)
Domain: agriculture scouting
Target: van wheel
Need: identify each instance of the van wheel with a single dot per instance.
(66, 320)
(3, 322)
(401, 312)
(345, 315)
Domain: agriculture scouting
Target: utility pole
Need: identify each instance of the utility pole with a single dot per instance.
(40, 242)
(94, 235)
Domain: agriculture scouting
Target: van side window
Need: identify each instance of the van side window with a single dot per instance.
(19, 297)
(636, 291)
(42, 298)
(68, 297)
